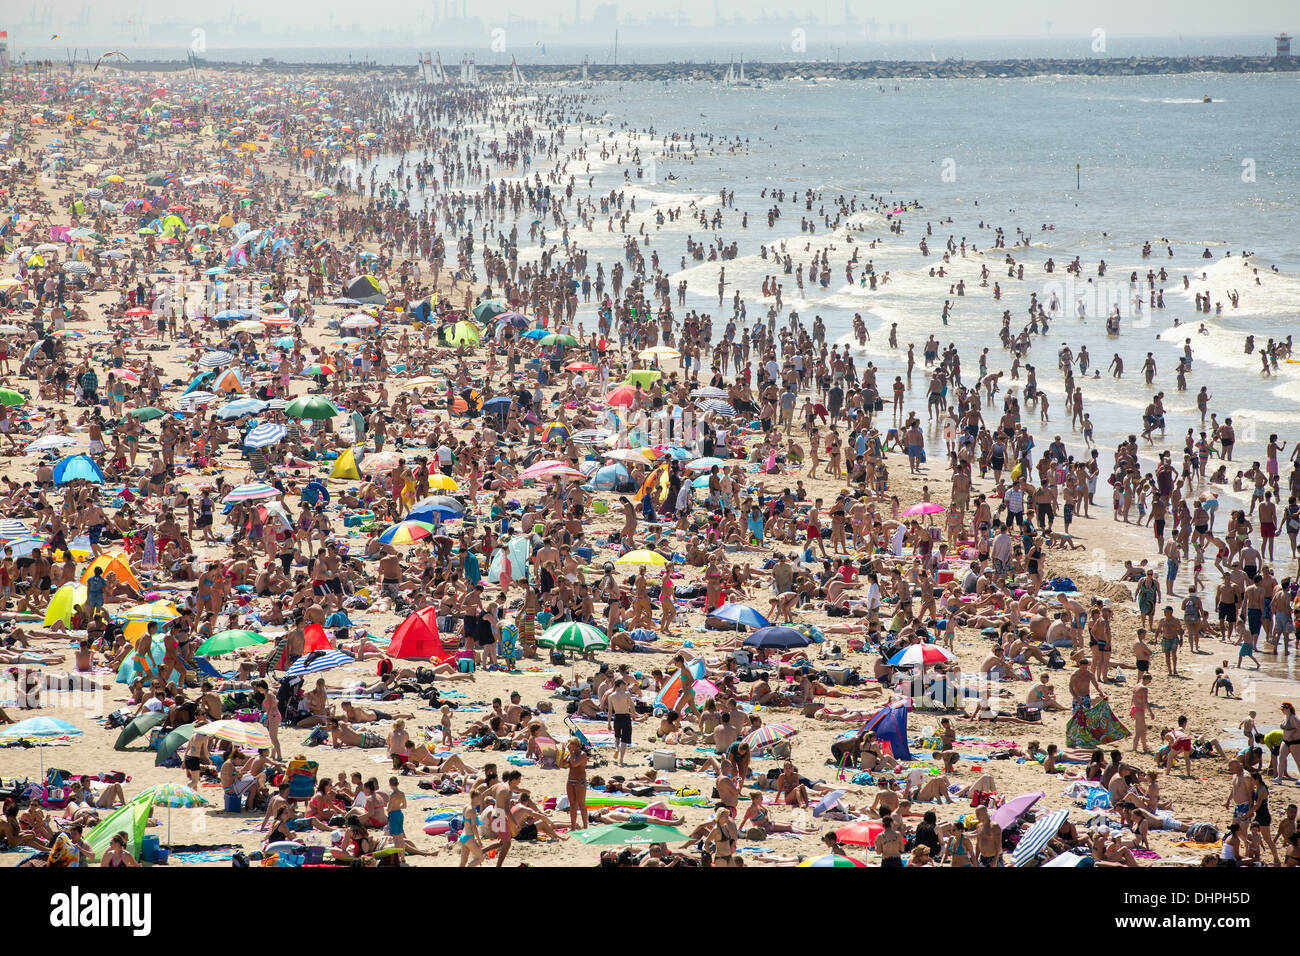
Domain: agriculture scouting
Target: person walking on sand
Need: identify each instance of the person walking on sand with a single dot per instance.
(1139, 710)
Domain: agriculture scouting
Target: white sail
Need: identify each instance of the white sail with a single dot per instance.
(515, 76)
(464, 69)
(742, 70)
(439, 74)
(584, 69)
(730, 78)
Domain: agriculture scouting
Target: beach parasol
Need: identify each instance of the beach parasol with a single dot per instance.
(922, 654)
(146, 414)
(831, 859)
(925, 508)
(623, 395)
(11, 528)
(572, 635)
(216, 359)
(9, 396)
(408, 532)
(318, 661)
(859, 833)
(1015, 808)
(254, 491)
(138, 727)
(1033, 840)
(776, 637)
(739, 614)
(704, 464)
(155, 612)
(643, 557)
(311, 407)
(168, 746)
(267, 433)
(39, 730)
(440, 482)
(238, 732)
(769, 734)
(717, 406)
(171, 795)
(226, 642)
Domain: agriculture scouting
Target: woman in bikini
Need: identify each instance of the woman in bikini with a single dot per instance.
(117, 854)
(575, 787)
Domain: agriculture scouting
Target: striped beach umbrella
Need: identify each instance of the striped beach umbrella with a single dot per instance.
(769, 734)
(832, 859)
(1037, 836)
(216, 359)
(11, 528)
(238, 732)
(318, 661)
(51, 442)
(155, 612)
(717, 406)
(172, 795)
(572, 635)
(916, 654)
(195, 399)
(407, 532)
(709, 391)
(268, 433)
(253, 491)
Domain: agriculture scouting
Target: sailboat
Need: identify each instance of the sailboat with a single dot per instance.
(439, 74)
(464, 70)
(740, 80)
(516, 77)
(730, 78)
(585, 81)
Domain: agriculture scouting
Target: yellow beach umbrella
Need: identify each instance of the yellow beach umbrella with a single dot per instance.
(643, 556)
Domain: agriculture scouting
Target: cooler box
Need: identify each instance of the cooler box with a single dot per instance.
(945, 577)
(839, 675)
(663, 760)
(148, 848)
(234, 803)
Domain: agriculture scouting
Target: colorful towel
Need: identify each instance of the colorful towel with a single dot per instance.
(215, 855)
(1094, 726)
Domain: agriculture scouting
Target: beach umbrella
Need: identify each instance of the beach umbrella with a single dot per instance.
(241, 407)
(462, 333)
(535, 334)
(38, 730)
(312, 407)
(497, 405)
(317, 661)
(155, 612)
(831, 859)
(238, 732)
(551, 469)
(9, 396)
(216, 359)
(146, 414)
(779, 638)
(645, 377)
(195, 399)
(1068, 859)
(137, 728)
(591, 436)
(424, 381)
(267, 433)
(709, 391)
(623, 395)
(858, 833)
(168, 746)
(572, 635)
(76, 467)
(630, 833)
(285, 342)
(440, 482)
(380, 461)
(489, 309)
(920, 654)
(1033, 840)
(253, 491)
(319, 369)
(739, 614)
(925, 508)
(435, 506)
(716, 406)
(769, 734)
(643, 557)
(171, 795)
(359, 321)
(515, 319)
(556, 338)
(77, 268)
(407, 532)
(227, 642)
(658, 352)
(1015, 808)
(11, 528)
(704, 464)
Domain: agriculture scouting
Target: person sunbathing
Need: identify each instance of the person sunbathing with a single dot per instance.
(343, 734)
(365, 715)
(421, 756)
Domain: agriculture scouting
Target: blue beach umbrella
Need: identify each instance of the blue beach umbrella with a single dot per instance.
(77, 466)
(740, 614)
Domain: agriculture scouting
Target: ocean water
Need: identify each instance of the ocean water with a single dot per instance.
(1155, 163)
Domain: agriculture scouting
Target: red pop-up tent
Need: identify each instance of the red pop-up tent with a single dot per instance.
(417, 638)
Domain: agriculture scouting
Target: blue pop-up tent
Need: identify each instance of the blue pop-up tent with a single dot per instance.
(890, 725)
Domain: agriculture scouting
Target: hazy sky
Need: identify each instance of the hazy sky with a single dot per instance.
(939, 18)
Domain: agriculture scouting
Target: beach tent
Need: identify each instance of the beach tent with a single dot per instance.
(112, 564)
(417, 638)
(77, 466)
(60, 607)
(512, 559)
(462, 333)
(346, 466)
(613, 477)
(890, 725)
(228, 381)
(367, 290)
(131, 667)
(1094, 726)
(133, 818)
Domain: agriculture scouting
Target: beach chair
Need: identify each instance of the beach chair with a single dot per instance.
(594, 759)
(300, 774)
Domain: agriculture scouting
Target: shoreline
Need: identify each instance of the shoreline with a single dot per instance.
(792, 70)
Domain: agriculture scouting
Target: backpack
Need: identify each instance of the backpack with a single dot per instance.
(384, 666)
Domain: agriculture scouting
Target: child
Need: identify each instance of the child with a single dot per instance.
(1221, 681)
(445, 724)
(1139, 709)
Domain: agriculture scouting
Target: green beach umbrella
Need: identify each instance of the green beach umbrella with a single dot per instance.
(137, 728)
(312, 407)
(10, 397)
(556, 339)
(630, 833)
(146, 414)
(225, 642)
(489, 309)
(171, 795)
(571, 635)
(168, 746)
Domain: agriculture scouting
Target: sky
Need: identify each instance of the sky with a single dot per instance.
(932, 18)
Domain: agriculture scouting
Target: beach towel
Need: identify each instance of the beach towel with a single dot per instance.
(1094, 726)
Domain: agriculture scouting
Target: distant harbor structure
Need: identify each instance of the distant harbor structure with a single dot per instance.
(1283, 45)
